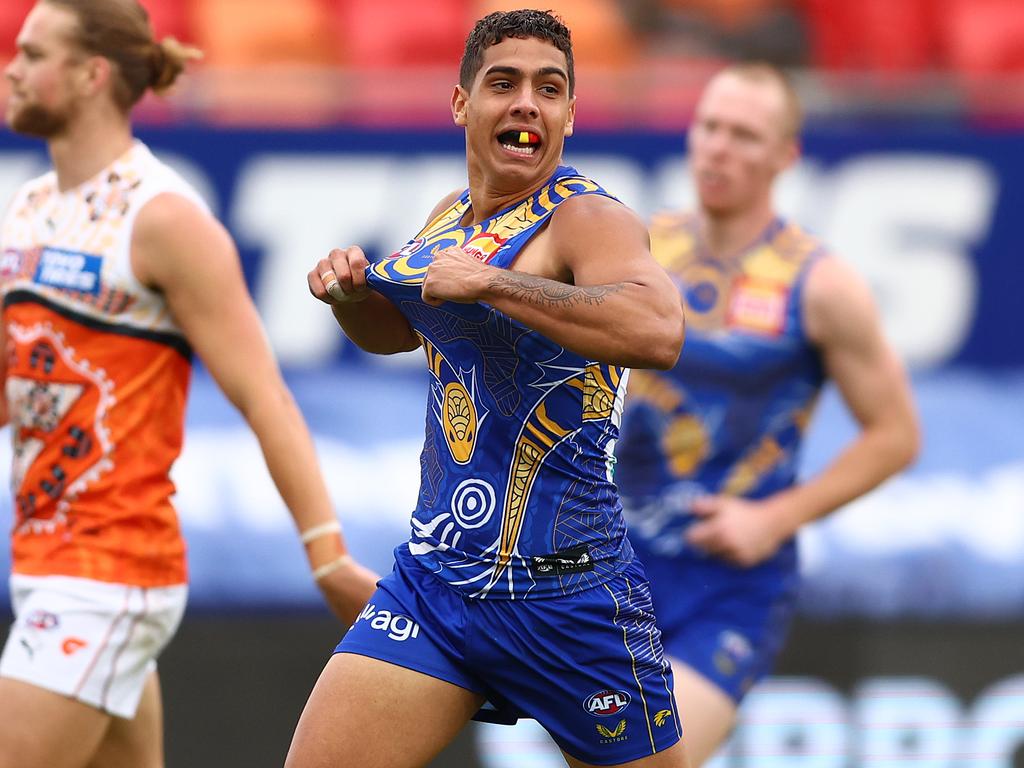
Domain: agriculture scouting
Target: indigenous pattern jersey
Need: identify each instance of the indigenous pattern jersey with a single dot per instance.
(516, 498)
(97, 375)
(729, 418)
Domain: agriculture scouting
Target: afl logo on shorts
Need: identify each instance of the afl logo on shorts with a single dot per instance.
(607, 702)
(42, 620)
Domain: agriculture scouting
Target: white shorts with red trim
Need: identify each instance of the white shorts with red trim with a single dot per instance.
(90, 640)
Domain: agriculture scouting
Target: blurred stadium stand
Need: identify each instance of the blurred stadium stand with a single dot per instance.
(370, 62)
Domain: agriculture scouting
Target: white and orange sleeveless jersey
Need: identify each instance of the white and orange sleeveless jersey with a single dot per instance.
(97, 379)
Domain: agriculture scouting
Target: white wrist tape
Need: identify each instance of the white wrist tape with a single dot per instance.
(323, 529)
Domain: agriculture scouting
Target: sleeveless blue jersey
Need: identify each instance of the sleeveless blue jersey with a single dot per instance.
(730, 416)
(516, 497)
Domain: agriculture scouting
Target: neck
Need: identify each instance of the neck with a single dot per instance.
(88, 146)
(489, 196)
(727, 235)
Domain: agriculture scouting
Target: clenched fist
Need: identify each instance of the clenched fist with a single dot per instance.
(341, 277)
(454, 275)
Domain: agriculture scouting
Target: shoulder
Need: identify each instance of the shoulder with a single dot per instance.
(590, 230)
(837, 300)
(33, 192)
(673, 237)
(159, 178)
(41, 184)
(173, 231)
(595, 215)
(795, 244)
(672, 221)
(171, 214)
(830, 277)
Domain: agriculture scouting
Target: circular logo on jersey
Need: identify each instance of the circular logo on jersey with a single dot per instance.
(703, 296)
(410, 248)
(607, 702)
(473, 503)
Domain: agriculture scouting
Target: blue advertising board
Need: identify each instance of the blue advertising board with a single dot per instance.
(926, 214)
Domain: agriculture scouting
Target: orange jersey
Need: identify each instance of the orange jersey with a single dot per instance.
(97, 379)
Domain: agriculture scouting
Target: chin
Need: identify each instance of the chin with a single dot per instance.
(717, 208)
(36, 122)
(519, 171)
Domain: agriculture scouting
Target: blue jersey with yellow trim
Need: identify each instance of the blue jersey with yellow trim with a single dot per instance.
(516, 497)
(730, 416)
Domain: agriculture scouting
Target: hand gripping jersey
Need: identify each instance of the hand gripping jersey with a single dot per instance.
(97, 378)
(730, 416)
(516, 498)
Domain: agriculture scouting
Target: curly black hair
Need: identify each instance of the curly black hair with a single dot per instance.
(523, 24)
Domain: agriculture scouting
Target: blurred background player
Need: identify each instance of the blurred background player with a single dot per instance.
(709, 450)
(114, 272)
(529, 292)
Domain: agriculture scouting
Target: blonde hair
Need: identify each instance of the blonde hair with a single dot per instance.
(761, 72)
(120, 31)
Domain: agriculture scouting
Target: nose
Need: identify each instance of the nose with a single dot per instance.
(10, 71)
(717, 137)
(525, 104)
(716, 142)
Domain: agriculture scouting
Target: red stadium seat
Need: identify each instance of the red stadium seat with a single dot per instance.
(600, 35)
(169, 19)
(12, 13)
(242, 33)
(727, 13)
(400, 32)
(874, 35)
(984, 36)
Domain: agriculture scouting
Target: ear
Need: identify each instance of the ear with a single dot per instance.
(96, 74)
(570, 123)
(460, 99)
(790, 155)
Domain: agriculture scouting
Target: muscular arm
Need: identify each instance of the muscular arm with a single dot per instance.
(842, 320)
(373, 323)
(612, 302)
(185, 253)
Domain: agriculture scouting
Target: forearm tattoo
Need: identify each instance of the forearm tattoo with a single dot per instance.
(542, 292)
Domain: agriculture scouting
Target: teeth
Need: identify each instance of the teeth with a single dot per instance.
(519, 150)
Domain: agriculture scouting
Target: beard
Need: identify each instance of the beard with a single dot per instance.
(38, 122)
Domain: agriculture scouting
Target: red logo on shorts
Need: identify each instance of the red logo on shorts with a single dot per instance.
(42, 620)
(607, 702)
(72, 644)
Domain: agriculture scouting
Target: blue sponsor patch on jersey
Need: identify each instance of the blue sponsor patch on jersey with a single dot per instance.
(69, 270)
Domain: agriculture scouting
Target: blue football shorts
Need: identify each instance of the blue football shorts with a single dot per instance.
(588, 667)
(725, 622)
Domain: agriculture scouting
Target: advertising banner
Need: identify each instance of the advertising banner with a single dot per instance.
(926, 214)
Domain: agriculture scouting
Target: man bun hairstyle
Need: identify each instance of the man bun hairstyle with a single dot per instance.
(120, 31)
(522, 24)
(168, 61)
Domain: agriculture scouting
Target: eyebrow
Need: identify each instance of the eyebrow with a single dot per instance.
(517, 72)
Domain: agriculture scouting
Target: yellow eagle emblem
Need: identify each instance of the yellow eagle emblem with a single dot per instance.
(661, 716)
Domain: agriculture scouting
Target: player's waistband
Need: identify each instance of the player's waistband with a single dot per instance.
(524, 577)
